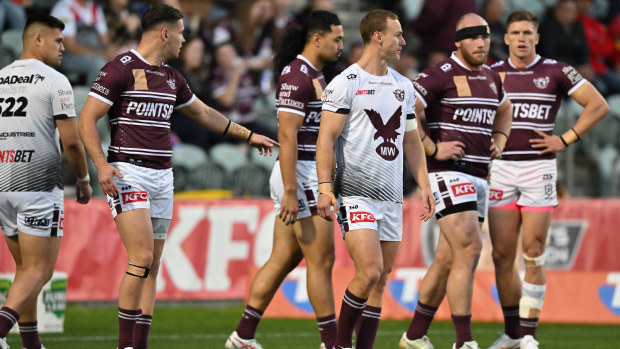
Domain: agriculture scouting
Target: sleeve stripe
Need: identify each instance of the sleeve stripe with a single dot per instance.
(421, 99)
(293, 111)
(191, 100)
(342, 111)
(103, 99)
(62, 116)
(577, 85)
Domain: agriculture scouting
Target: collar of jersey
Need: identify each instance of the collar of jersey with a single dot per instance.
(528, 66)
(307, 61)
(140, 56)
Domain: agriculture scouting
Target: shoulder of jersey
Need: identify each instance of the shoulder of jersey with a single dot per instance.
(350, 74)
(549, 61)
(296, 65)
(498, 64)
(52, 73)
(124, 59)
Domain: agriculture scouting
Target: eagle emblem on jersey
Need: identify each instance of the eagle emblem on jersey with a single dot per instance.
(386, 150)
(400, 95)
(172, 84)
(541, 83)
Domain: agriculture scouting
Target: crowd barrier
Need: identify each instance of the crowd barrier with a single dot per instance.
(215, 246)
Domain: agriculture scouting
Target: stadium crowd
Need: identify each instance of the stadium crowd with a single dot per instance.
(227, 61)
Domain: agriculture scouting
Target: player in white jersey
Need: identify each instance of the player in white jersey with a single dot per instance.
(522, 183)
(299, 232)
(36, 107)
(140, 92)
(368, 114)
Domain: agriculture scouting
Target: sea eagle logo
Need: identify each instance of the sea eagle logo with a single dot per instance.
(388, 131)
(541, 83)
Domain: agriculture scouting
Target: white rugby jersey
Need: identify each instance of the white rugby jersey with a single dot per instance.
(369, 151)
(32, 96)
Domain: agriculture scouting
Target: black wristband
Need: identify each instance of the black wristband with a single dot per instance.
(435, 152)
(423, 138)
(576, 134)
(563, 141)
(226, 129)
(250, 136)
(500, 132)
(324, 182)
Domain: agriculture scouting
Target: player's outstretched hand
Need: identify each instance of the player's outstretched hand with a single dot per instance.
(289, 208)
(83, 192)
(106, 173)
(546, 143)
(495, 152)
(326, 201)
(428, 201)
(453, 150)
(263, 144)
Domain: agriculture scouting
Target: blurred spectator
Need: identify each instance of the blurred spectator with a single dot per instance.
(355, 52)
(537, 7)
(191, 64)
(435, 56)
(493, 12)
(407, 65)
(313, 5)
(283, 18)
(562, 37)
(601, 49)
(86, 37)
(12, 15)
(614, 30)
(235, 89)
(123, 26)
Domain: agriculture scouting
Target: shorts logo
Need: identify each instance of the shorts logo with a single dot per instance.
(134, 196)
(61, 224)
(37, 222)
(547, 177)
(463, 189)
(301, 203)
(495, 194)
(361, 217)
(548, 189)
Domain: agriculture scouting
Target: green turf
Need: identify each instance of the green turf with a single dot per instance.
(186, 326)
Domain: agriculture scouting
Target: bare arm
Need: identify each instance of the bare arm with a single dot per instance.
(289, 125)
(331, 127)
(214, 121)
(416, 160)
(501, 129)
(594, 109)
(93, 110)
(74, 150)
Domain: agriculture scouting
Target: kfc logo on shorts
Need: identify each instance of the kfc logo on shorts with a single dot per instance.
(361, 217)
(495, 194)
(463, 189)
(134, 196)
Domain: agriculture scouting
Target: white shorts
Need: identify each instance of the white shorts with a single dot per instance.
(458, 192)
(33, 213)
(358, 212)
(307, 188)
(143, 187)
(523, 184)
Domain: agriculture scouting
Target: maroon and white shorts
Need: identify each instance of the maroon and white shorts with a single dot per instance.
(307, 188)
(357, 212)
(143, 187)
(458, 192)
(33, 213)
(524, 185)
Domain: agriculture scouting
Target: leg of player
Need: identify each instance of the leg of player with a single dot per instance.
(535, 228)
(147, 302)
(285, 256)
(431, 293)
(504, 226)
(365, 249)
(38, 257)
(369, 322)
(136, 231)
(315, 236)
(462, 231)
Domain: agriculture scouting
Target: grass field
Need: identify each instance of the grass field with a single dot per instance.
(204, 325)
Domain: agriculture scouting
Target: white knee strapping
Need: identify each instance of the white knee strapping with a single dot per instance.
(160, 227)
(532, 262)
(532, 297)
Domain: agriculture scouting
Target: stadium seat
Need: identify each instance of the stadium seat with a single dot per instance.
(264, 161)
(80, 94)
(229, 156)
(12, 39)
(6, 56)
(189, 164)
(250, 180)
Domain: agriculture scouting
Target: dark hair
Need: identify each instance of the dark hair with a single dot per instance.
(45, 19)
(375, 21)
(295, 38)
(523, 15)
(159, 13)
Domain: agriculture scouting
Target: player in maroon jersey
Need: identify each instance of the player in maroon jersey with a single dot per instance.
(139, 92)
(299, 231)
(468, 118)
(523, 192)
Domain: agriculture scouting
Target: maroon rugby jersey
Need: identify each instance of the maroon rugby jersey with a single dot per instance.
(536, 93)
(142, 97)
(460, 105)
(299, 92)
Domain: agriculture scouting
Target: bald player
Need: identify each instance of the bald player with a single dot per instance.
(469, 119)
(36, 107)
